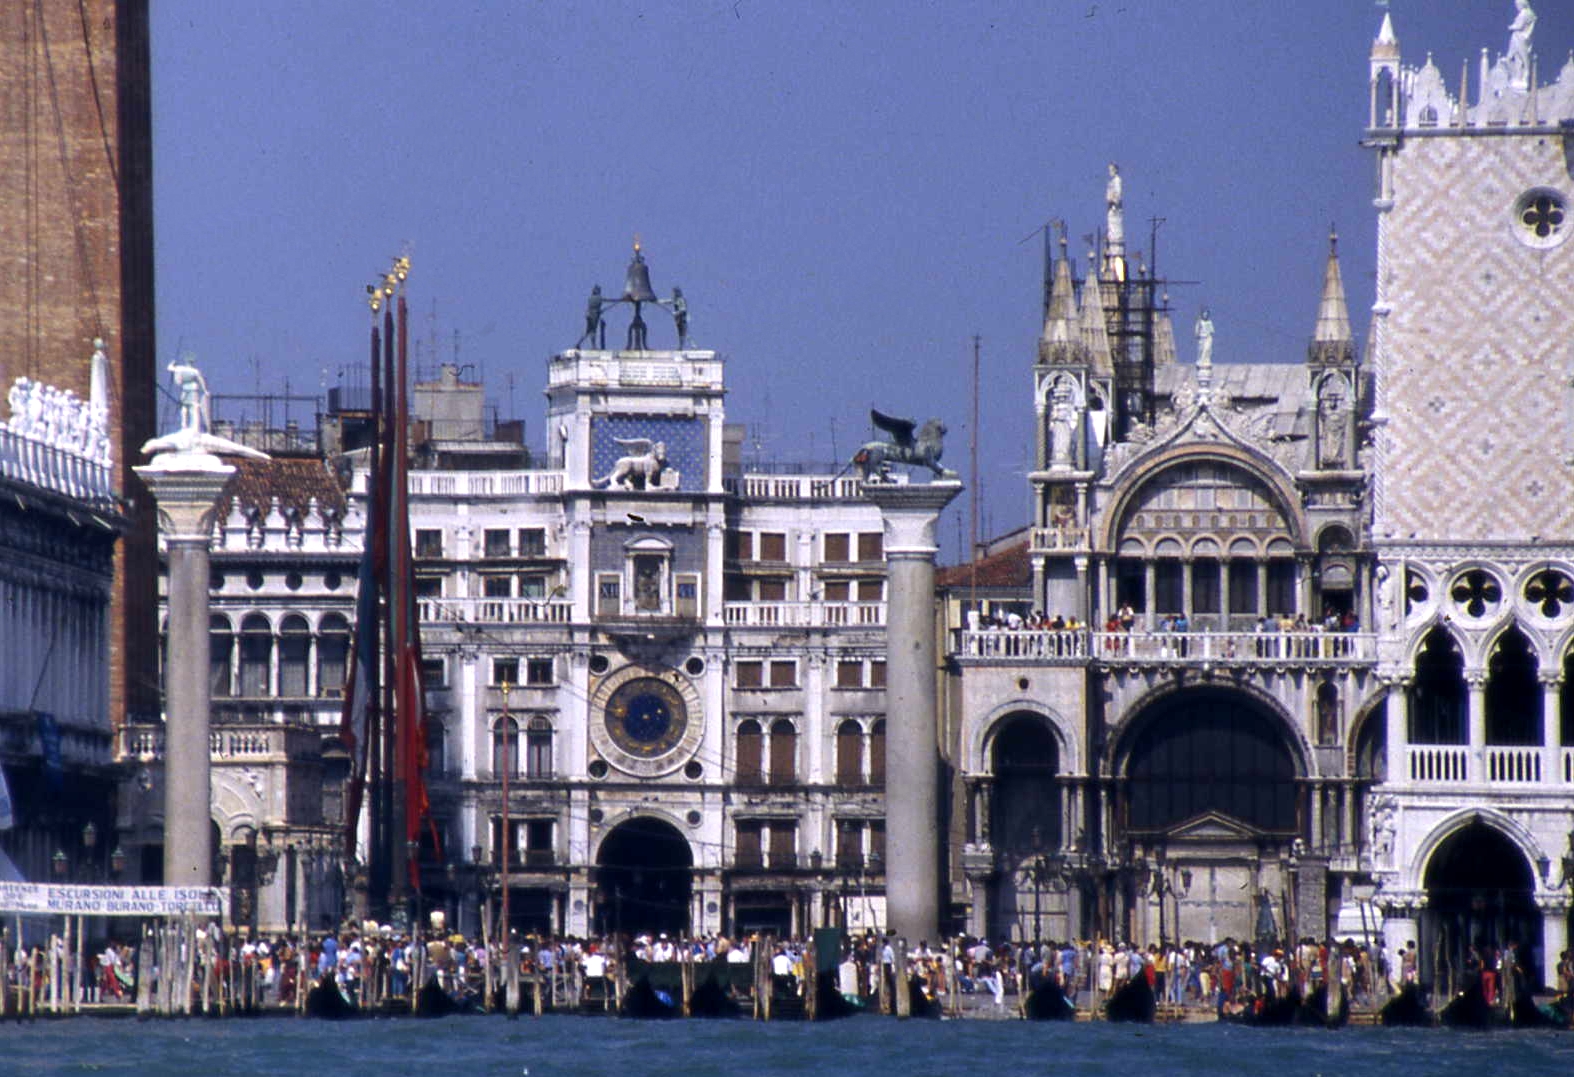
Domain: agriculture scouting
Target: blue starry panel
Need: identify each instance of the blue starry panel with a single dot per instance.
(684, 439)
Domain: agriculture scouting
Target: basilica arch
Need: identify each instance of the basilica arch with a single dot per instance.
(1208, 749)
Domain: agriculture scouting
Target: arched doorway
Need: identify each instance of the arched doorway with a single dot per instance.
(1479, 888)
(643, 879)
(1208, 807)
(1025, 829)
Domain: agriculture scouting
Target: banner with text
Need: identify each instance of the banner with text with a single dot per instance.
(70, 900)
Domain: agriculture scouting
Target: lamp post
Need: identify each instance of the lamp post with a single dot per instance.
(507, 725)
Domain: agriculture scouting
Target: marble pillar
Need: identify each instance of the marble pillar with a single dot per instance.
(185, 487)
(912, 788)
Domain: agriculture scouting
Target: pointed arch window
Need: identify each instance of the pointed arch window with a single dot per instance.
(1438, 697)
(1513, 695)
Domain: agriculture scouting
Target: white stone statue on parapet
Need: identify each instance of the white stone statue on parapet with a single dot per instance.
(1519, 34)
(192, 447)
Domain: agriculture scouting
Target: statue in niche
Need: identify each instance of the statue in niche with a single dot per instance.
(1331, 425)
(1384, 809)
(1062, 424)
(1115, 211)
(640, 470)
(1204, 331)
(647, 584)
(1519, 33)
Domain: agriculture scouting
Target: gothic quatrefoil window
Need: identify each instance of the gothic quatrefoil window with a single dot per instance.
(1550, 591)
(1476, 593)
(1541, 218)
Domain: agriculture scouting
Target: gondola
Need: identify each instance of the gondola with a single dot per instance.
(1314, 1011)
(1133, 1002)
(1047, 1002)
(710, 999)
(645, 1002)
(1406, 1010)
(433, 1001)
(831, 1004)
(327, 1002)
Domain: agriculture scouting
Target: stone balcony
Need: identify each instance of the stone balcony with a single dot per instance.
(1042, 539)
(511, 611)
(804, 614)
(227, 744)
(759, 487)
(1270, 650)
(1492, 766)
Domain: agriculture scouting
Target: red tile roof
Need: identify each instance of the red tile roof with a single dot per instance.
(293, 481)
(1006, 568)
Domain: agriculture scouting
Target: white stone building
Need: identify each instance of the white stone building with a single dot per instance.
(59, 521)
(1230, 775)
(693, 731)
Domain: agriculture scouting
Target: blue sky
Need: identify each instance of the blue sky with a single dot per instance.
(841, 190)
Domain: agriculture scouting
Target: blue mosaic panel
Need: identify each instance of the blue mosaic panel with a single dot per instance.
(684, 439)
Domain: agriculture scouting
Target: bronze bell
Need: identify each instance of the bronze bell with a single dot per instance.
(636, 287)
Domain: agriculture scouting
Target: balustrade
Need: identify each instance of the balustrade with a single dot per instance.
(804, 614)
(1439, 763)
(1513, 764)
(494, 610)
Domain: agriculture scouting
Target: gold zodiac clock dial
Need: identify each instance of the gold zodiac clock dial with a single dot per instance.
(646, 717)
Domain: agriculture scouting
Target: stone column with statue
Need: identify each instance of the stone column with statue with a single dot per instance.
(186, 477)
(912, 784)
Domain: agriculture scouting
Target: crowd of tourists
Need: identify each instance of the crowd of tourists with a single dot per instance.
(373, 964)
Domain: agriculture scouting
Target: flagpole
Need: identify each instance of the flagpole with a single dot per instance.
(387, 853)
(399, 597)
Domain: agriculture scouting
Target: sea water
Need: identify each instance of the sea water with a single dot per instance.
(575, 1046)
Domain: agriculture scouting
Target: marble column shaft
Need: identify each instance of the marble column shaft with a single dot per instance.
(912, 787)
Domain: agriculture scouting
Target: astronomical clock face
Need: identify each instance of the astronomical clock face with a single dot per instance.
(646, 717)
(646, 720)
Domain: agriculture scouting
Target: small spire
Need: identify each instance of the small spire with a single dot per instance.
(1095, 328)
(1385, 35)
(1059, 342)
(1332, 339)
(1386, 47)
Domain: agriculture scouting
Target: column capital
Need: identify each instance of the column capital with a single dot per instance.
(185, 488)
(910, 512)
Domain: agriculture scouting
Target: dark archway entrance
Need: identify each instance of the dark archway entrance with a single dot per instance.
(1479, 890)
(1025, 809)
(1208, 807)
(1209, 750)
(643, 879)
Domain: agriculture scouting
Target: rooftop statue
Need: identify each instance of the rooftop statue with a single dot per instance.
(1115, 211)
(1519, 32)
(923, 449)
(1204, 330)
(193, 438)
